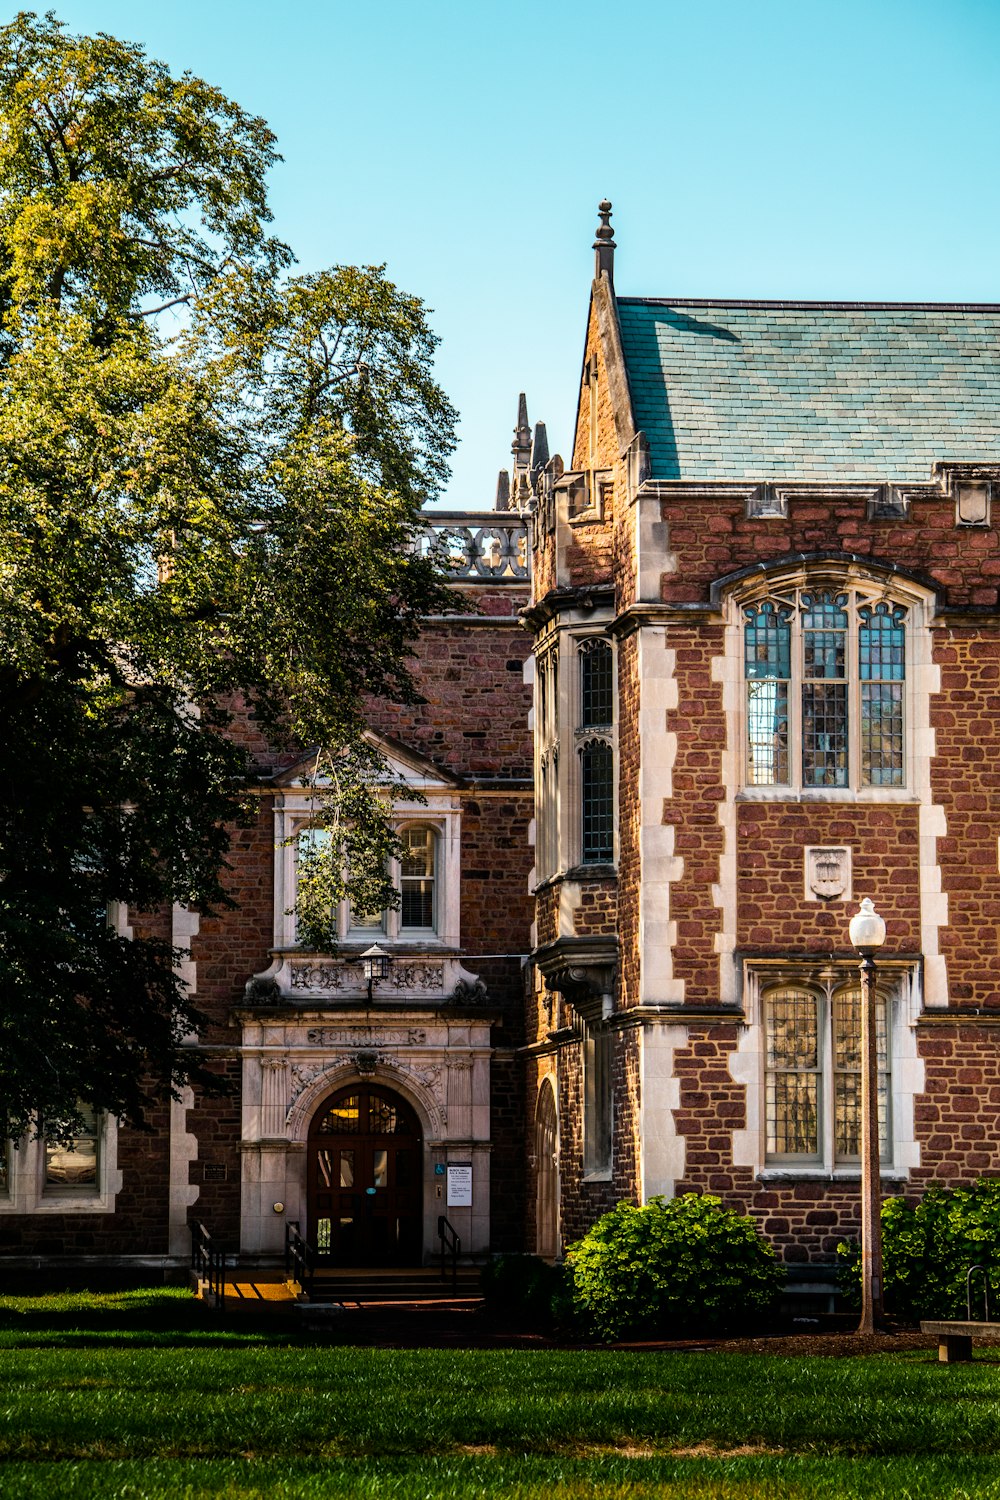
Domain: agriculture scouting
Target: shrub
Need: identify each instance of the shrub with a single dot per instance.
(672, 1267)
(527, 1289)
(927, 1248)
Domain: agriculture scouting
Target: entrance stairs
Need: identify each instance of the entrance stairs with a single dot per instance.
(365, 1287)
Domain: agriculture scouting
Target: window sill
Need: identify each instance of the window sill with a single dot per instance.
(604, 1175)
(826, 794)
(823, 1174)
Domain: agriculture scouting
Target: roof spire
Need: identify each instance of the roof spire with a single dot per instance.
(604, 244)
(521, 446)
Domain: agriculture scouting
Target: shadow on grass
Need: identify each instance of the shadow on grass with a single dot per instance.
(156, 1317)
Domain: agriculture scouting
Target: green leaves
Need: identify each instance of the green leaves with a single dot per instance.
(202, 516)
(672, 1266)
(928, 1245)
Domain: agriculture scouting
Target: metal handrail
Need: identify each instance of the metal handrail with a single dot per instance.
(208, 1261)
(984, 1272)
(450, 1245)
(300, 1257)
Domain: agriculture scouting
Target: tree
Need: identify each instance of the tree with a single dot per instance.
(211, 471)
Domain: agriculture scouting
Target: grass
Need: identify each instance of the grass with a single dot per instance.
(137, 1395)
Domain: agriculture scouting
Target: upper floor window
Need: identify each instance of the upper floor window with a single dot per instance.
(825, 674)
(595, 721)
(417, 876)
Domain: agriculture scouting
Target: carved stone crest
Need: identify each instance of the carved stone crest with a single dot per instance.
(827, 873)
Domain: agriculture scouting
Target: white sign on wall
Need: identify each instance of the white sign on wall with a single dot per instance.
(459, 1184)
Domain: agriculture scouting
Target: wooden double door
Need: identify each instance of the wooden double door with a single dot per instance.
(364, 1179)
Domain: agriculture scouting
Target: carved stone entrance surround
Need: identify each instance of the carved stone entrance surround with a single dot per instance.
(440, 1063)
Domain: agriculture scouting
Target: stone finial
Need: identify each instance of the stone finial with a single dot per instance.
(539, 450)
(521, 446)
(604, 244)
(502, 501)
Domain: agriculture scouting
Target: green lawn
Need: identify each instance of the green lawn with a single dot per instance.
(136, 1395)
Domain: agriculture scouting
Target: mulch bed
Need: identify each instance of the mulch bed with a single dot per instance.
(468, 1326)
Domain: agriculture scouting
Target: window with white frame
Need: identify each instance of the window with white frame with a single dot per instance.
(417, 877)
(595, 749)
(812, 1075)
(825, 688)
(55, 1173)
(547, 762)
(72, 1165)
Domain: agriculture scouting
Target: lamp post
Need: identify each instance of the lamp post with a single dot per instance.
(376, 964)
(867, 931)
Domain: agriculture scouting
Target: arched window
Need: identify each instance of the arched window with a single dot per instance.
(825, 672)
(813, 1075)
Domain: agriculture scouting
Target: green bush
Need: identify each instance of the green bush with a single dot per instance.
(673, 1267)
(525, 1288)
(927, 1248)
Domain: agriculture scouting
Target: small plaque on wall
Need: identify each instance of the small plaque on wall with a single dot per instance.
(459, 1184)
(214, 1171)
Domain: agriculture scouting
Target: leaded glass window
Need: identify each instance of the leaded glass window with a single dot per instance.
(825, 674)
(595, 729)
(596, 691)
(813, 1076)
(597, 802)
(882, 670)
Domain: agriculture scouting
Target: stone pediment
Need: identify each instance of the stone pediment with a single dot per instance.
(405, 764)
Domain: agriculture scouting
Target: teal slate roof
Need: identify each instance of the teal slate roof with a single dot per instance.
(772, 390)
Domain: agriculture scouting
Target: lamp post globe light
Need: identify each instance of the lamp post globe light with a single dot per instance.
(867, 931)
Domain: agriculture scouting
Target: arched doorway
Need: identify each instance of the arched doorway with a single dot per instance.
(364, 1176)
(547, 1167)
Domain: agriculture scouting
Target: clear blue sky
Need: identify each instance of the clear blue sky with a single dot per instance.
(784, 148)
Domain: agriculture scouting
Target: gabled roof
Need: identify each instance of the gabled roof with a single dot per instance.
(817, 390)
(405, 764)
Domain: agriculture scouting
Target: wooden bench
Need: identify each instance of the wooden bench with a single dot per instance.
(955, 1339)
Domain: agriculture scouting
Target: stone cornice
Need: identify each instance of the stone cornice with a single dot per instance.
(556, 601)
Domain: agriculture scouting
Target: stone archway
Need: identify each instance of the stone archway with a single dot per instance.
(547, 1168)
(364, 1173)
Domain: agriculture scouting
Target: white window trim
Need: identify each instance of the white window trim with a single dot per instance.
(27, 1191)
(918, 683)
(559, 741)
(901, 984)
(441, 813)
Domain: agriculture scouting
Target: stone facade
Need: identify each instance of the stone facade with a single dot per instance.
(640, 980)
(747, 453)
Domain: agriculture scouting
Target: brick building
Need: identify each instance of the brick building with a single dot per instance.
(735, 668)
(767, 669)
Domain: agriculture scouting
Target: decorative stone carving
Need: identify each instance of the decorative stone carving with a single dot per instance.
(469, 993)
(417, 978)
(262, 991)
(325, 976)
(364, 1037)
(828, 873)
